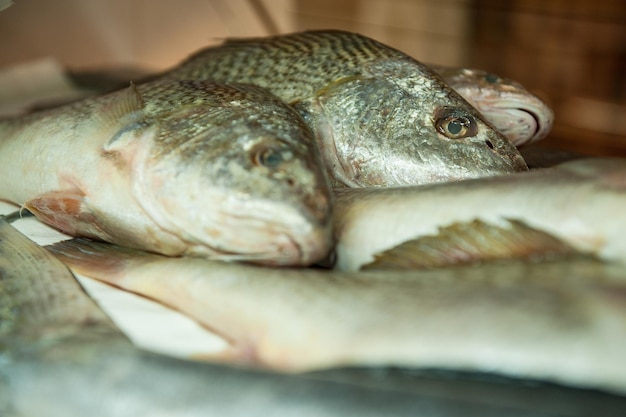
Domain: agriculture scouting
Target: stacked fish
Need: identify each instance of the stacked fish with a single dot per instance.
(231, 156)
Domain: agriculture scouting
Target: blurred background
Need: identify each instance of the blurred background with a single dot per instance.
(572, 53)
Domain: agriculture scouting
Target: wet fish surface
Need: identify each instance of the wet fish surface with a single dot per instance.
(575, 207)
(520, 115)
(40, 301)
(514, 319)
(61, 357)
(381, 118)
(239, 163)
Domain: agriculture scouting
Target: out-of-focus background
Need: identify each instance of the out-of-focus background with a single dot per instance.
(570, 52)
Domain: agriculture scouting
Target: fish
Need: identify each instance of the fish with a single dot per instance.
(41, 303)
(572, 208)
(60, 356)
(523, 117)
(512, 320)
(175, 167)
(381, 118)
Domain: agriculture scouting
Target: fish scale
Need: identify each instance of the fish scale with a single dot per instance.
(241, 164)
(39, 298)
(260, 60)
(336, 80)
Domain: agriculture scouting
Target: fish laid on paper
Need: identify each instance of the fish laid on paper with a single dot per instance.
(175, 167)
(40, 300)
(575, 207)
(381, 117)
(516, 319)
(516, 112)
(60, 356)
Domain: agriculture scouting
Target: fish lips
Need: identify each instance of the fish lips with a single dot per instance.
(532, 123)
(230, 226)
(253, 239)
(521, 117)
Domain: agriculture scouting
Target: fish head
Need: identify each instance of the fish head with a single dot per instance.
(397, 123)
(516, 112)
(235, 175)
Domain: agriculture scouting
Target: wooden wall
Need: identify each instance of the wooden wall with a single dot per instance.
(571, 52)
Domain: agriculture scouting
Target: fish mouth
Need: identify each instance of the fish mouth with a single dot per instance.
(535, 118)
(265, 234)
(542, 125)
(281, 249)
(526, 128)
(288, 252)
(523, 124)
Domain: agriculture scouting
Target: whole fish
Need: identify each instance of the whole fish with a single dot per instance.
(516, 112)
(381, 117)
(176, 167)
(61, 357)
(575, 207)
(516, 319)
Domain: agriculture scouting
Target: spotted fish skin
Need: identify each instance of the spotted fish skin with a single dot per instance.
(381, 118)
(175, 167)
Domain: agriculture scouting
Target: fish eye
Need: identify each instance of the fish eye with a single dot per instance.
(266, 156)
(456, 124)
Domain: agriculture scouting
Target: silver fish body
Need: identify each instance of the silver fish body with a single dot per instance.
(381, 117)
(516, 112)
(175, 167)
(515, 319)
(61, 357)
(579, 202)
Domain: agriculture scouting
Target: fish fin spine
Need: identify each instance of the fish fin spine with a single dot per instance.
(473, 242)
(65, 211)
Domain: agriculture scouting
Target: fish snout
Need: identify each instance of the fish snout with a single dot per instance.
(304, 249)
(504, 149)
(540, 120)
(316, 245)
(521, 122)
(313, 234)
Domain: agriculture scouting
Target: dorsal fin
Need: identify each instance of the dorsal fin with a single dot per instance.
(473, 242)
(125, 103)
(132, 99)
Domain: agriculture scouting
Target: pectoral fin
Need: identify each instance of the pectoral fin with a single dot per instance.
(65, 211)
(473, 242)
